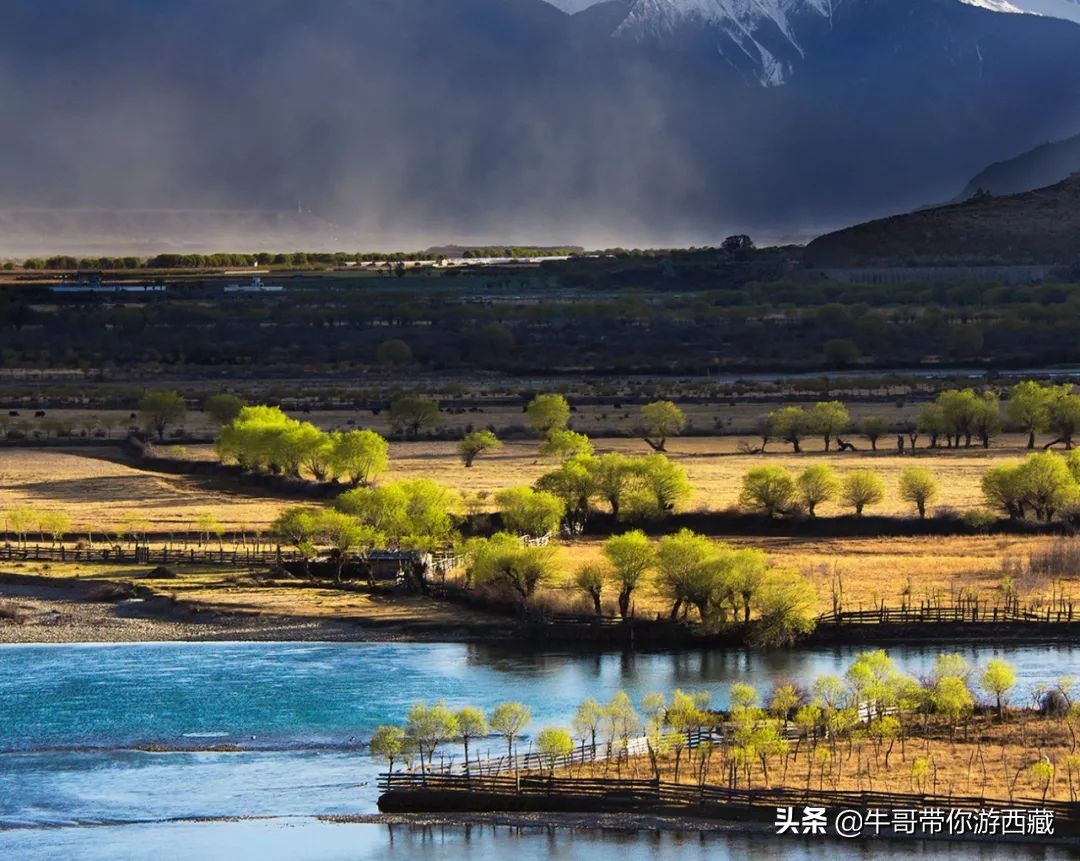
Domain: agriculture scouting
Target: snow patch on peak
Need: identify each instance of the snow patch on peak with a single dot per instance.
(995, 6)
(1067, 9)
(749, 25)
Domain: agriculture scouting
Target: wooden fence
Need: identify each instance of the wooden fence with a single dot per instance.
(608, 794)
(977, 613)
(237, 557)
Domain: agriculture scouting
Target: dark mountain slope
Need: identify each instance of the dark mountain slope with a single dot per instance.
(1036, 168)
(1035, 227)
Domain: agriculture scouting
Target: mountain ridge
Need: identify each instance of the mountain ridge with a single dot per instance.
(1041, 166)
(1033, 227)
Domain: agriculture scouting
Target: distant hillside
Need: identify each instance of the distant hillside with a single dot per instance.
(1040, 226)
(1036, 168)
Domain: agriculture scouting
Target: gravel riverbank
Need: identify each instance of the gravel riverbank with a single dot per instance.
(45, 614)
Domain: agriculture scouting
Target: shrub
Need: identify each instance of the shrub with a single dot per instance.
(979, 519)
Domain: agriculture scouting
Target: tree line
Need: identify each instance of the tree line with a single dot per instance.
(719, 582)
(957, 418)
(853, 723)
(776, 492)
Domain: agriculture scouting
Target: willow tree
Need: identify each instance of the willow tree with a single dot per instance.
(631, 557)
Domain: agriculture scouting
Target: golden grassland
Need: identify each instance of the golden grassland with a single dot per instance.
(986, 758)
(99, 490)
(100, 493)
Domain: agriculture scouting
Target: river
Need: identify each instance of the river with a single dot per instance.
(72, 784)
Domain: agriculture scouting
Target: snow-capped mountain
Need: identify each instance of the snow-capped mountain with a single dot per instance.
(762, 37)
(767, 40)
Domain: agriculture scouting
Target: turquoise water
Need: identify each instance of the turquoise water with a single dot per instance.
(70, 716)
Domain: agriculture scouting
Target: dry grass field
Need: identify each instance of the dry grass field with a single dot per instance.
(102, 494)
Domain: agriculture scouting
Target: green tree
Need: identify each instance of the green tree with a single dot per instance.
(313, 450)
(816, 486)
(986, 417)
(208, 524)
(388, 742)
(589, 578)
(342, 534)
(587, 720)
(657, 487)
(409, 415)
(477, 443)
(509, 720)
(530, 512)
(631, 558)
(223, 408)
(504, 559)
(552, 744)
(768, 489)
(1063, 415)
(997, 679)
(861, 488)
(471, 724)
(575, 484)
(874, 428)
(394, 352)
(161, 409)
(919, 487)
(932, 422)
(791, 424)
(1046, 484)
(296, 526)
(413, 513)
(56, 524)
(1028, 408)
(952, 699)
(1002, 486)
(959, 410)
(658, 421)
(547, 413)
(566, 444)
(688, 573)
(260, 438)
(611, 476)
(428, 727)
(829, 419)
(744, 571)
(359, 456)
(621, 721)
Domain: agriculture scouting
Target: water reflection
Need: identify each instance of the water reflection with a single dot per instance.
(310, 840)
